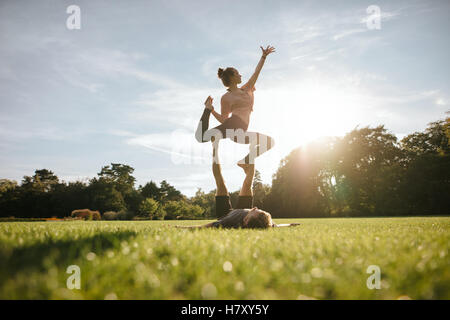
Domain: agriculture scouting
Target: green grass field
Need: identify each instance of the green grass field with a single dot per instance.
(321, 258)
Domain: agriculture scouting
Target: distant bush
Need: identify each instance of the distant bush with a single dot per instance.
(125, 215)
(182, 210)
(140, 218)
(121, 215)
(96, 215)
(86, 214)
(111, 215)
(190, 211)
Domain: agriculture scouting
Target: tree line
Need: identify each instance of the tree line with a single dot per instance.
(367, 172)
(111, 192)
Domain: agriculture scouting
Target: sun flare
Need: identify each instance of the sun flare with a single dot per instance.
(306, 111)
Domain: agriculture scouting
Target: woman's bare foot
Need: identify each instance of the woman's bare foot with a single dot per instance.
(208, 103)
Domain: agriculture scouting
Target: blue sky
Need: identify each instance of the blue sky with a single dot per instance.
(129, 86)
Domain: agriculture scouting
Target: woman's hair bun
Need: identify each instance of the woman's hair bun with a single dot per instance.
(220, 73)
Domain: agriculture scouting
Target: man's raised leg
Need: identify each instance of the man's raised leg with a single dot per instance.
(223, 203)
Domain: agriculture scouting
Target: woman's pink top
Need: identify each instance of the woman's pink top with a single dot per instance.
(239, 103)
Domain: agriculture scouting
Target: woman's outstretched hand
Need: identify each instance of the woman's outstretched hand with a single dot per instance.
(267, 51)
(208, 103)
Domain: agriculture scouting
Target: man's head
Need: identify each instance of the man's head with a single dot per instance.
(257, 218)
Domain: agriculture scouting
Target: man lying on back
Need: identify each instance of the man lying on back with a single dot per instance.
(241, 217)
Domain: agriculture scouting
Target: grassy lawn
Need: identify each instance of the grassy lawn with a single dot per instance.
(321, 258)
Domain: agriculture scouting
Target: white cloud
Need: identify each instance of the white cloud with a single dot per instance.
(346, 33)
(180, 107)
(115, 63)
(441, 102)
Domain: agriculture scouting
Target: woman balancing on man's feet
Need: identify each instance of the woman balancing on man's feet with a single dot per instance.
(237, 102)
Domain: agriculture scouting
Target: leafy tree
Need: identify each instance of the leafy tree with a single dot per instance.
(191, 211)
(148, 207)
(160, 213)
(68, 197)
(295, 186)
(35, 195)
(260, 191)
(365, 161)
(6, 184)
(358, 174)
(170, 193)
(434, 140)
(43, 180)
(11, 204)
(426, 185)
(105, 197)
(426, 182)
(207, 201)
(151, 190)
(120, 175)
(173, 209)
(132, 200)
(447, 128)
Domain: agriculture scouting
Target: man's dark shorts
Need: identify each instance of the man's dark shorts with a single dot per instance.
(223, 204)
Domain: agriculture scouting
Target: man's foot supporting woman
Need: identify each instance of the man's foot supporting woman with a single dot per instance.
(246, 193)
(223, 203)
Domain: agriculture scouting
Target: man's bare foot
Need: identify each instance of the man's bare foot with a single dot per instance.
(247, 167)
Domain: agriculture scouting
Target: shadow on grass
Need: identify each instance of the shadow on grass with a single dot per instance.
(57, 253)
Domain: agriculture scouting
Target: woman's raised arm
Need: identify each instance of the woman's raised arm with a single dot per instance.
(265, 52)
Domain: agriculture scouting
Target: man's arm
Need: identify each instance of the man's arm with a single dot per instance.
(285, 225)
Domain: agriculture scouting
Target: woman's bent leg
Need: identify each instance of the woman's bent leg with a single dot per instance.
(202, 134)
(259, 143)
(203, 126)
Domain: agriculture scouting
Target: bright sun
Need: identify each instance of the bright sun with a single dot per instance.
(304, 112)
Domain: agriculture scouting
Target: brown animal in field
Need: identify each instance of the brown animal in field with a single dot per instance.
(85, 214)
